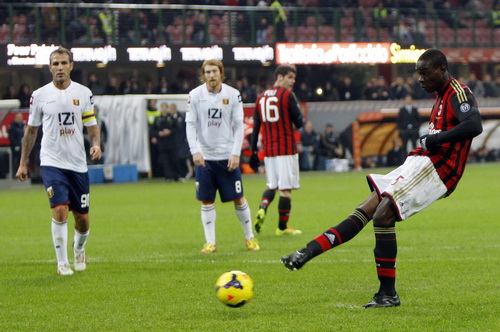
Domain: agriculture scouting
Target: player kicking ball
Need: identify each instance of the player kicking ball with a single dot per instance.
(430, 172)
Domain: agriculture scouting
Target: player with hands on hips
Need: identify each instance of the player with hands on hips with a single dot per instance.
(63, 107)
(429, 173)
(214, 129)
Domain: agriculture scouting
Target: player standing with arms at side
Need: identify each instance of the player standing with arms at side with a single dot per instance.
(214, 129)
(429, 173)
(277, 112)
(63, 107)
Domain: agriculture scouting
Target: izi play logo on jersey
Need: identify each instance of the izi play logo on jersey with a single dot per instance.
(66, 119)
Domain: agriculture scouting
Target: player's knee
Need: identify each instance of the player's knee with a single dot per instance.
(240, 201)
(286, 193)
(379, 221)
(384, 215)
(60, 213)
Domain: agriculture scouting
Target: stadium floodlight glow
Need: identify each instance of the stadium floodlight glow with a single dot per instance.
(201, 53)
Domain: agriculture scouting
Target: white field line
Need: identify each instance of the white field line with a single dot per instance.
(157, 260)
(336, 255)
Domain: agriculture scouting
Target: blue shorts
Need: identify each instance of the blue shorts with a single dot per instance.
(66, 187)
(215, 176)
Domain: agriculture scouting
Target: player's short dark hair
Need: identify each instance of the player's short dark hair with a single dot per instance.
(283, 70)
(62, 50)
(435, 58)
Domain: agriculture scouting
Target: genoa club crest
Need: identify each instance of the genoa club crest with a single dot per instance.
(50, 192)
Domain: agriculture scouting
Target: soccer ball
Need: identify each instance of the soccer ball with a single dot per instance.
(234, 288)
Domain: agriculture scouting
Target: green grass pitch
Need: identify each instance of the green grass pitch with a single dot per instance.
(145, 272)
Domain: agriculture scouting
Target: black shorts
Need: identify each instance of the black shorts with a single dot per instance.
(65, 187)
(215, 176)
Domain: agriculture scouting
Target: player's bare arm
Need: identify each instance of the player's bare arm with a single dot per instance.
(95, 139)
(29, 139)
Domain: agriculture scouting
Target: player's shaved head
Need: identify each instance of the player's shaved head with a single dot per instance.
(435, 58)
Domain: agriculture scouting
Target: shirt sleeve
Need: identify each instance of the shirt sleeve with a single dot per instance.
(464, 104)
(237, 124)
(191, 136)
(191, 114)
(466, 110)
(295, 112)
(35, 115)
(88, 115)
(191, 125)
(256, 127)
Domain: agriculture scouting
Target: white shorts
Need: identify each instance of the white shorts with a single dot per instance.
(412, 186)
(282, 172)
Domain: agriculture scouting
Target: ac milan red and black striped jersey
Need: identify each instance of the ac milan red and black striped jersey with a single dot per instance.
(454, 104)
(277, 111)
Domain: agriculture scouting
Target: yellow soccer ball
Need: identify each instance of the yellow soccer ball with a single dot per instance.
(234, 288)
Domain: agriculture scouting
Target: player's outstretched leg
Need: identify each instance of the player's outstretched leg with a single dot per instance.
(296, 260)
(329, 239)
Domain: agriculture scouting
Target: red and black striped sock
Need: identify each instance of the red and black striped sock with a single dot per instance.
(385, 251)
(267, 198)
(284, 207)
(339, 234)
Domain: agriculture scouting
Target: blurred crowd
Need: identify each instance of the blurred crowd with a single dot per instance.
(360, 20)
(331, 89)
(318, 150)
(325, 150)
(408, 21)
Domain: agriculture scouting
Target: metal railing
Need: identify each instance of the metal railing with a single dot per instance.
(90, 24)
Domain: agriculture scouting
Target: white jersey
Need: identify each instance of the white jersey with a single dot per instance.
(62, 114)
(218, 122)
